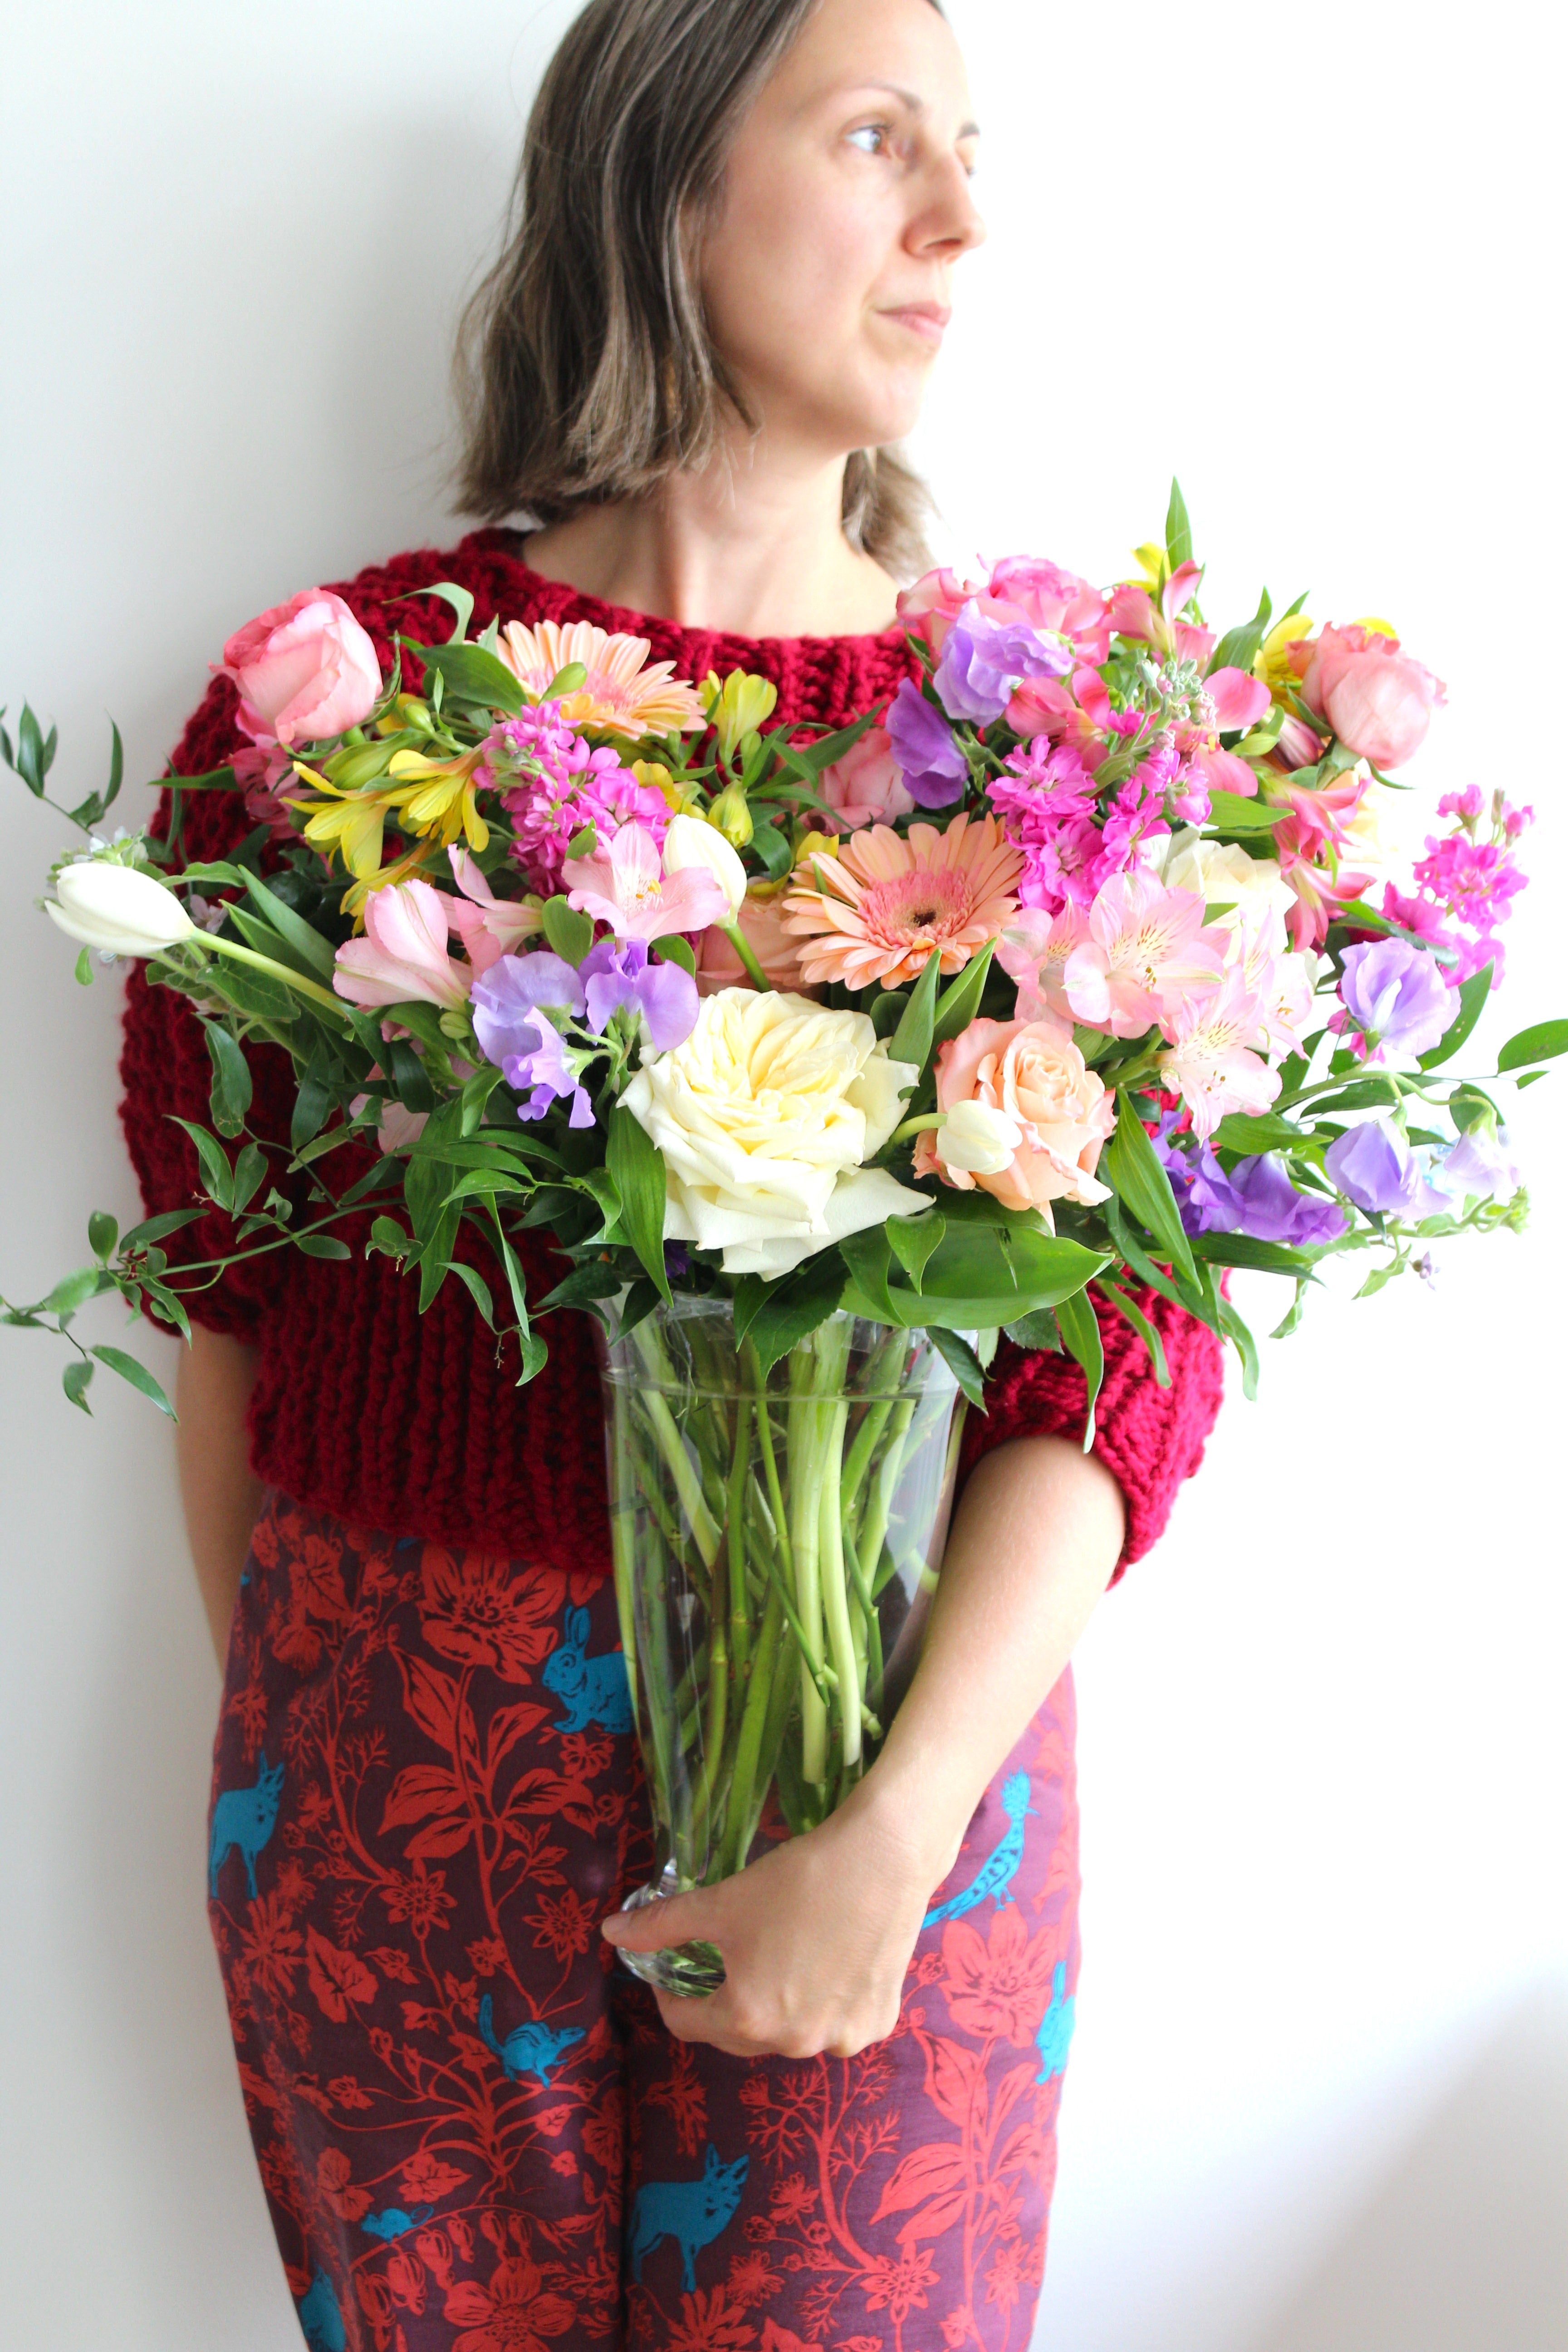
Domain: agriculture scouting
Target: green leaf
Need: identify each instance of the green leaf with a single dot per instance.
(321, 1245)
(675, 949)
(102, 1233)
(1238, 648)
(531, 1346)
(912, 1039)
(1291, 1320)
(1133, 1313)
(410, 1079)
(1473, 995)
(1232, 812)
(960, 1002)
(249, 1175)
(772, 849)
(253, 991)
(887, 1010)
(868, 1257)
(74, 1290)
(32, 755)
(1131, 1166)
(639, 1305)
(1178, 530)
(459, 599)
(962, 1362)
(912, 1240)
(1377, 1278)
(84, 968)
(217, 1179)
(477, 1092)
(569, 933)
(1240, 1337)
(1262, 1257)
(76, 1379)
(1039, 1331)
(751, 1293)
(312, 1100)
(469, 674)
(1541, 1044)
(317, 955)
(387, 1239)
(799, 1303)
(137, 1374)
(231, 1085)
(477, 1288)
(1081, 1336)
(156, 1229)
(168, 1308)
(1251, 1133)
(637, 1164)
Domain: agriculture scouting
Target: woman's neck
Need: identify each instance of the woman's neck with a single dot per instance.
(753, 545)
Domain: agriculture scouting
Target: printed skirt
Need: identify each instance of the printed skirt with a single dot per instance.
(474, 2131)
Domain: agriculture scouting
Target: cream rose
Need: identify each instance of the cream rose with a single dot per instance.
(1036, 1082)
(1223, 875)
(765, 1117)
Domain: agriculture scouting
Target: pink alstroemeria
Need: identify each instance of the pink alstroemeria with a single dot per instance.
(1212, 1032)
(490, 927)
(625, 886)
(1144, 942)
(1309, 844)
(1133, 614)
(1034, 951)
(1075, 711)
(1283, 983)
(402, 958)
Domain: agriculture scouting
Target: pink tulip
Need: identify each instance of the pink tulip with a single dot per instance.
(625, 886)
(402, 958)
(488, 927)
(867, 785)
(1378, 701)
(305, 670)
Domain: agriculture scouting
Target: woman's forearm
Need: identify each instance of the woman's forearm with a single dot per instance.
(1034, 1543)
(220, 1492)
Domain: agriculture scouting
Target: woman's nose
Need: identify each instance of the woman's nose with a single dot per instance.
(948, 223)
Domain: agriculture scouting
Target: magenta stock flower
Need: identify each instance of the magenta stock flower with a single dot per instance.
(1212, 1065)
(625, 886)
(553, 785)
(402, 958)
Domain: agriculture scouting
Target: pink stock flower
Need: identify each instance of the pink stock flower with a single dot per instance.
(490, 927)
(867, 785)
(1146, 949)
(1378, 701)
(551, 785)
(625, 886)
(402, 958)
(1133, 614)
(1210, 1033)
(1044, 1097)
(305, 670)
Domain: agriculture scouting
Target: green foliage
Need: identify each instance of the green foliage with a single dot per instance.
(795, 1306)
(1473, 995)
(637, 1165)
(469, 674)
(137, 1375)
(569, 934)
(231, 1085)
(911, 1040)
(962, 1362)
(1081, 1336)
(1231, 812)
(1178, 530)
(1132, 1168)
(1544, 1042)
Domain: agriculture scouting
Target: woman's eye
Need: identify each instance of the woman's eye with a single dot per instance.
(871, 138)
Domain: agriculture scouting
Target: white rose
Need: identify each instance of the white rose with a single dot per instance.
(692, 841)
(118, 909)
(1223, 875)
(1375, 834)
(979, 1139)
(765, 1117)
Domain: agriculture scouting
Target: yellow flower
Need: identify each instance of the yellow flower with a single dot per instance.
(740, 705)
(350, 822)
(1273, 663)
(732, 816)
(402, 869)
(439, 796)
(681, 796)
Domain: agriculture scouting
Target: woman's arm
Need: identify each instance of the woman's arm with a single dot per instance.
(220, 1491)
(816, 1935)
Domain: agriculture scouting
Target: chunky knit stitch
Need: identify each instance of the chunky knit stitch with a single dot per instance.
(388, 1418)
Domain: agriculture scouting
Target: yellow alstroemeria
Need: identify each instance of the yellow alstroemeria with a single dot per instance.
(402, 869)
(1155, 564)
(350, 822)
(738, 705)
(1273, 662)
(439, 797)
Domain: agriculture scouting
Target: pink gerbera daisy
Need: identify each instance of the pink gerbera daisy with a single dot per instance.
(885, 905)
(623, 693)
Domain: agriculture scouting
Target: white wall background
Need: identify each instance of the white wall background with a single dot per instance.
(1307, 259)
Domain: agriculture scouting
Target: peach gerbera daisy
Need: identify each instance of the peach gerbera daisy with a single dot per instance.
(623, 693)
(885, 905)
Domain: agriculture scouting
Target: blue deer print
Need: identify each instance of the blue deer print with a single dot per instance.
(1055, 2035)
(995, 1875)
(245, 1818)
(692, 2212)
(596, 1690)
(320, 2318)
(528, 2049)
(394, 2223)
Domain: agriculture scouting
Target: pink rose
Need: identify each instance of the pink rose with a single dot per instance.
(929, 608)
(1028, 1075)
(1050, 598)
(1377, 700)
(866, 786)
(305, 670)
(761, 927)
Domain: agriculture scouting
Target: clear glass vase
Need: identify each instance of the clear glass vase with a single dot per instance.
(775, 1542)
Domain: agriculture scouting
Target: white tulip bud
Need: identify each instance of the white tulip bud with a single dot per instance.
(691, 841)
(117, 908)
(978, 1138)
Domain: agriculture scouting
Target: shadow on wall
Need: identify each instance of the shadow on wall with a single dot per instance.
(1464, 2245)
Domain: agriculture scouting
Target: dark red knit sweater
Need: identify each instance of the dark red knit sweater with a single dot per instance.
(395, 1420)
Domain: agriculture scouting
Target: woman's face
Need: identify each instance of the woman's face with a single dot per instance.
(827, 270)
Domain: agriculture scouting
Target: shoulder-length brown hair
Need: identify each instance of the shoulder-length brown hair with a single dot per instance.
(585, 368)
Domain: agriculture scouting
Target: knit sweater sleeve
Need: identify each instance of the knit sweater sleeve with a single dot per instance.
(1148, 1437)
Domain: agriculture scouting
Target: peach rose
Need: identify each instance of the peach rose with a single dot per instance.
(1032, 1080)
(761, 926)
(866, 786)
(305, 670)
(1377, 700)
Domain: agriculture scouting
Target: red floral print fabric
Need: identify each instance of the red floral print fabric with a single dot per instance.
(474, 2131)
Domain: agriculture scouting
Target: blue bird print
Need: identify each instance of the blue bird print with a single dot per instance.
(692, 2212)
(394, 2223)
(1055, 2036)
(995, 1875)
(528, 2049)
(320, 2321)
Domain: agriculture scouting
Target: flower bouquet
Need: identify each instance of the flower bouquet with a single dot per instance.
(822, 1058)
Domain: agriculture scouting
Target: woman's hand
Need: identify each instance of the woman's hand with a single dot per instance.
(816, 1935)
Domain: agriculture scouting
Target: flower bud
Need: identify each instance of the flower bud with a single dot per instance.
(355, 765)
(741, 705)
(117, 908)
(978, 1138)
(692, 842)
(732, 814)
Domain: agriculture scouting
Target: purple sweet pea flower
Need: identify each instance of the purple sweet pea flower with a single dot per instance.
(506, 997)
(1479, 1166)
(1273, 1210)
(983, 660)
(1206, 1202)
(618, 973)
(935, 769)
(547, 1074)
(1374, 1166)
(1397, 997)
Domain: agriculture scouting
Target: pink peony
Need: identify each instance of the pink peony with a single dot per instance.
(866, 786)
(1378, 701)
(305, 670)
(1037, 1080)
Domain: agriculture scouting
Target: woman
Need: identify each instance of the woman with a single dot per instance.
(738, 223)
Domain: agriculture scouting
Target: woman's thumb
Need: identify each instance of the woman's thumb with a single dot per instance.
(654, 1926)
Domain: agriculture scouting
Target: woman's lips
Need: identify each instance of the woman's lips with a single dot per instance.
(927, 320)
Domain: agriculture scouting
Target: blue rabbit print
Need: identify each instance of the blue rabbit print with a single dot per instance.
(692, 2212)
(594, 1690)
(245, 1818)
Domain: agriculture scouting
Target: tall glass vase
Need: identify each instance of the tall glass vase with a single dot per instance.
(776, 1539)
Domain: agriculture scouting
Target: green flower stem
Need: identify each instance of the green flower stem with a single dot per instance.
(742, 946)
(623, 1533)
(742, 1822)
(835, 1591)
(873, 1420)
(915, 1127)
(740, 1610)
(294, 980)
(688, 1483)
(874, 1526)
(805, 1535)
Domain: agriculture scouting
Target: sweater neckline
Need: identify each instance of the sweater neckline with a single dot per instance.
(624, 620)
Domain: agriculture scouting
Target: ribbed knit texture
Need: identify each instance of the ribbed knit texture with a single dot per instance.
(391, 1419)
